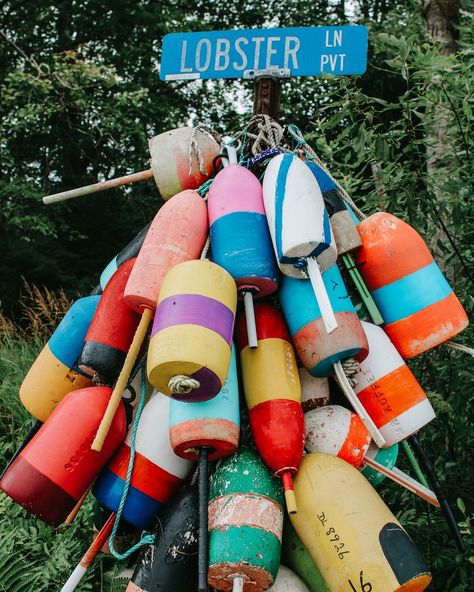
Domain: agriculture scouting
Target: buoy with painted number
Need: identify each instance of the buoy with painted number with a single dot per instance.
(384, 456)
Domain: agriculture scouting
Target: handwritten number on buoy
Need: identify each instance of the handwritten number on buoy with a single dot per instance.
(364, 586)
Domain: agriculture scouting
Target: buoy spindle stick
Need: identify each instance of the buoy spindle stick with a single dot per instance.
(122, 380)
(250, 319)
(29, 436)
(238, 584)
(290, 497)
(357, 405)
(321, 294)
(73, 513)
(203, 527)
(96, 187)
(359, 283)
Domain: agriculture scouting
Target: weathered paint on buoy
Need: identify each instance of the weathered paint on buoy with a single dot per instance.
(111, 331)
(192, 332)
(240, 239)
(157, 471)
(385, 456)
(287, 581)
(214, 423)
(57, 466)
(389, 392)
(337, 431)
(182, 159)
(314, 390)
(178, 233)
(317, 350)
(245, 523)
(419, 308)
(273, 393)
(54, 373)
(354, 539)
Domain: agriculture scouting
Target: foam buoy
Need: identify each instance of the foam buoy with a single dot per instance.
(287, 581)
(191, 339)
(57, 466)
(111, 331)
(54, 373)
(419, 308)
(354, 539)
(314, 391)
(384, 456)
(157, 471)
(273, 394)
(245, 524)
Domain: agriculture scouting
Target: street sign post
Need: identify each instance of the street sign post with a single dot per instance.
(306, 51)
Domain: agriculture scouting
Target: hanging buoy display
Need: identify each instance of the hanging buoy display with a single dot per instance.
(240, 239)
(50, 484)
(299, 226)
(157, 471)
(170, 563)
(419, 308)
(111, 331)
(54, 373)
(189, 352)
(354, 539)
(384, 456)
(245, 524)
(273, 394)
(389, 392)
(314, 391)
(287, 581)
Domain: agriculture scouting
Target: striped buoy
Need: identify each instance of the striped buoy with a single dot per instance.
(111, 331)
(54, 373)
(192, 333)
(245, 524)
(287, 581)
(157, 471)
(388, 391)
(57, 466)
(182, 159)
(384, 456)
(273, 394)
(350, 533)
(314, 391)
(419, 308)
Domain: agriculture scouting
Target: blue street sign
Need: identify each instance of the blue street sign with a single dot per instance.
(307, 51)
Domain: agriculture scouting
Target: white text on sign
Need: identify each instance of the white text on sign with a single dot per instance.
(333, 62)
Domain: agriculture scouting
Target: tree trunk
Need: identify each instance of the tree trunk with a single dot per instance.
(441, 16)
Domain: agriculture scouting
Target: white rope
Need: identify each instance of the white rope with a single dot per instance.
(459, 347)
(182, 384)
(205, 249)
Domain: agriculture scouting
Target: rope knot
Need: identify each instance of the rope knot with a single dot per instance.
(182, 384)
(351, 367)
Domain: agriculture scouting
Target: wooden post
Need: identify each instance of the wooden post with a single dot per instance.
(266, 98)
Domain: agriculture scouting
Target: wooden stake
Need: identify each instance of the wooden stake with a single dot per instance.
(266, 98)
(73, 513)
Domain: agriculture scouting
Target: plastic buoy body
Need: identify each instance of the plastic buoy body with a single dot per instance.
(178, 233)
(240, 238)
(182, 159)
(245, 523)
(54, 373)
(111, 331)
(345, 231)
(317, 350)
(171, 562)
(389, 392)
(384, 456)
(287, 581)
(57, 466)
(419, 308)
(214, 423)
(272, 391)
(354, 539)
(297, 218)
(337, 431)
(193, 327)
(157, 472)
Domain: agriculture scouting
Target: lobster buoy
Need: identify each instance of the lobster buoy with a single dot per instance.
(337, 431)
(314, 391)
(170, 563)
(273, 394)
(111, 331)
(182, 159)
(191, 339)
(57, 466)
(54, 373)
(128, 252)
(384, 456)
(245, 524)
(157, 471)
(419, 308)
(287, 581)
(354, 539)
(388, 391)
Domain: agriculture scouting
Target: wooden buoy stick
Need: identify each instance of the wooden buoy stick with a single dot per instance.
(250, 320)
(26, 439)
(89, 556)
(359, 283)
(290, 497)
(321, 294)
(404, 480)
(357, 405)
(122, 380)
(96, 187)
(238, 584)
(414, 463)
(203, 527)
(73, 513)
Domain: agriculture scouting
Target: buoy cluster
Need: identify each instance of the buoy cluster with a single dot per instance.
(200, 373)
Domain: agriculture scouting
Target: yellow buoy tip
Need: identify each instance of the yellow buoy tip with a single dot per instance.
(291, 502)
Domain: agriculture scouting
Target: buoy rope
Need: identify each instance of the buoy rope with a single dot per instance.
(182, 384)
(146, 539)
(205, 249)
(460, 347)
(350, 367)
